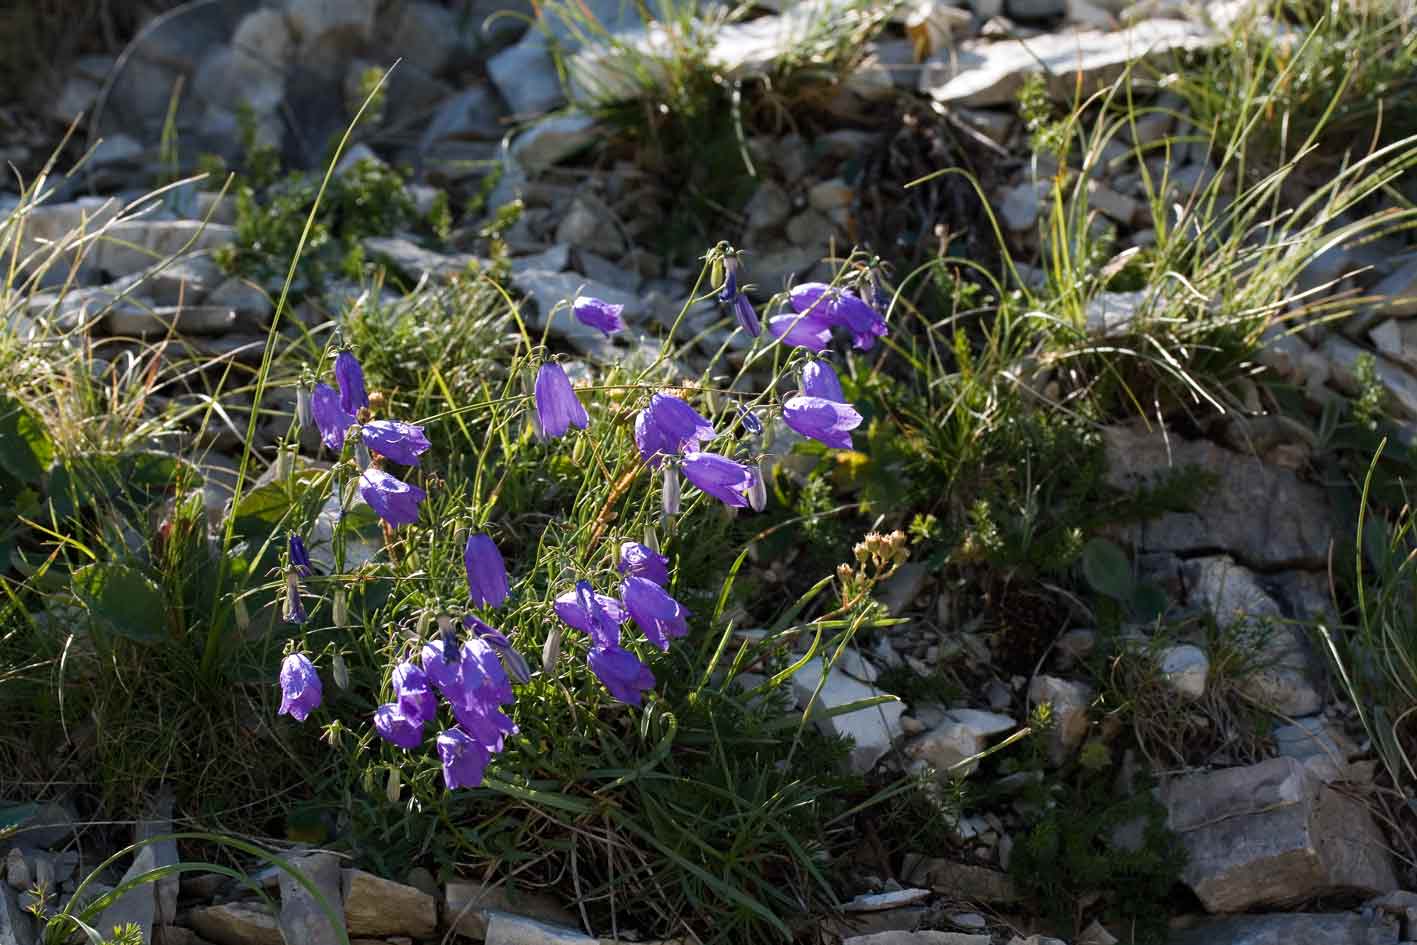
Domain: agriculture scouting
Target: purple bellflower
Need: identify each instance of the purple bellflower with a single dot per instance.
(598, 313)
(486, 572)
(839, 306)
(350, 377)
(512, 661)
(719, 476)
(488, 725)
(823, 420)
(820, 380)
(415, 699)
(300, 688)
(637, 560)
(399, 441)
(595, 614)
(442, 664)
(331, 419)
(294, 606)
(464, 759)
(669, 426)
(660, 616)
(396, 728)
(299, 557)
(750, 421)
(734, 297)
(395, 501)
(483, 677)
(557, 406)
(621, 672)
(801, 331)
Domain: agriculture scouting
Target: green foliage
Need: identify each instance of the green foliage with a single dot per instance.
(1047, 134)
(367, 199)
(1089, 842)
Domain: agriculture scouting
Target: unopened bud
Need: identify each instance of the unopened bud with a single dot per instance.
(302, 406)
(377, 402)
(651, 538)
(341, 608)
(340, 671)
(671, 491)
(361, 455)
(393, 784)
(550, 653)
(758, 492)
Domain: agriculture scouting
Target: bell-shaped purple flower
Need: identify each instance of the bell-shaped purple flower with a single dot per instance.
(350, 377)
(659, 616)
(331, 419)
(512, 661)
(442, 664)
(639, 560)
(299, 557)
(300, 689)
(820, 380)
(823, 420)
(598, 313)
(669, 426)
(747, 317)
(591, 613)
(557, 406)
(719, 476)
(294, 606)
(621, 672)
(399, 441)
(395, 501)
(396, 728)
(486, 571)
(839, 306)
(413, 694)
(483, 678)
(801, 331)
(750, 421)
(464, 759)
(488, 725)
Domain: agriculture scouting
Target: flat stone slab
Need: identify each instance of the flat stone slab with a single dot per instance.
(991, 73)
(1272, 834)
(1293, 929)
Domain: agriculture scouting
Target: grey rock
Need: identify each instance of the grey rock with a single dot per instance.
(1343, 357)
(1262, 514)
(991, 73)
(415, 262)
(302, 919)
(1282, 676)
(1070, 701)
(587, 225)
(137, 906)
(17, 870)
(899, 591)
(918, 938)
(507, 929)
(1109, 314)
(157, 824)
(553, 140)
(1397, 292)
(186, 320)
(1022, 203)
(75, 99)
(963, 734)
(876, 902)
(426, 34)
(251, 302)
(554, 259)
(599, 269)
(809, 230)
(16, 925)
(829, 195)
(184, 281)
(1184, 669)
(873, 730)
(51, 824)
(236, 923)
(468, 906)
(1035, 9)
(1272, 834)
(312, 20)
(525, 75)
(473, 114)
(857, 666)
(230, 78)
(131, 246)
(218, 485)
(1293, 929)
(374, 906)
(769, 206)
(1317, 744)
(976, 884)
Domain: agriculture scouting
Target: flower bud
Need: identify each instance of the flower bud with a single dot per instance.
(341, 608)
(551, 652)
(393, 784)
(243, 616)
(758, 491)
(302, 406)
(361, 455)
(651, 539)
(340, 670)
(671, 491)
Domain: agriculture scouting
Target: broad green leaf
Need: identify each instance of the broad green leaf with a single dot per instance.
(25, 447)
(1107, 570)
(139, 477)
(124, 600)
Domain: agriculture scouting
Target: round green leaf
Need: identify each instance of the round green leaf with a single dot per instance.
(1107, 569)
(122, 599)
